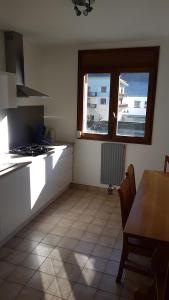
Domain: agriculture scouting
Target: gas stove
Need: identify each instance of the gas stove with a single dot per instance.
(30, 150)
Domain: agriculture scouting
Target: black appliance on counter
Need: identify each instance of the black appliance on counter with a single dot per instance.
(25, 124)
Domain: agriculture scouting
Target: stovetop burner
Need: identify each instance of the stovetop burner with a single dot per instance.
(30, 150)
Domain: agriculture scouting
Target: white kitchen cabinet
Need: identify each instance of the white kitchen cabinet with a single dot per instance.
(7, 90)
(27, 190)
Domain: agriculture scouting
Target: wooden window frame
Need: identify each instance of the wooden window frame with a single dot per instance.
(115, 62)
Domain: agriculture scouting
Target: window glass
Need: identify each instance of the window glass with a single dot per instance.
(132, 100)
(96, 108)
(104, 89)
(103, 101)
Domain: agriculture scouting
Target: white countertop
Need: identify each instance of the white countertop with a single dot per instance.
(18, 161)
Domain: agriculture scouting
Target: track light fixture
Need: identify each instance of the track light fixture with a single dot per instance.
(86, 4)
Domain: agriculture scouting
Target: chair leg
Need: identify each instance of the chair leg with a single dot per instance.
(122, 261)
(142, 295)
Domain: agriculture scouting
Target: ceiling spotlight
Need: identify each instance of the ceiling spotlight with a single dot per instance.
(78, 12)
(83, 3)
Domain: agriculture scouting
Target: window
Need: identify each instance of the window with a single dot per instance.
(103, 101)
(137, 104)
(103, 89)
(99, 123)
(128, 77)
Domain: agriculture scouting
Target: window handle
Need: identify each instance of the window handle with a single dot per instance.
(114, 115)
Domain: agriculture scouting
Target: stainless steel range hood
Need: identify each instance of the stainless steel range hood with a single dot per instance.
(15, 63)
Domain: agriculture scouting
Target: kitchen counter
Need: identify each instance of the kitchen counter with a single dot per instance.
(19, 161)
(29, 184)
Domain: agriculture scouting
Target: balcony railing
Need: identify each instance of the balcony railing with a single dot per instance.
(89, 105)
(92, 94)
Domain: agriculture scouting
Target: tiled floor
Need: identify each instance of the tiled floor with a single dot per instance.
(70, 251)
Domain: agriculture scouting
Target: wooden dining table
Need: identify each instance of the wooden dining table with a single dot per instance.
(149, 218)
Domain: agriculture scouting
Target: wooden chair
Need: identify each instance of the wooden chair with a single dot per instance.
(130, 174)
(130, 244)
(160, 268)
(166, 162)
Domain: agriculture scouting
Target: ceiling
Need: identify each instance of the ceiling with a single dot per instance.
(54, 21)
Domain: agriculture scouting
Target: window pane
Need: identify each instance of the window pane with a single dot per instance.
(132, 104)
(96, 97)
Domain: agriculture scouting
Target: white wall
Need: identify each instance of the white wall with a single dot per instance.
(60, 65)
(60, 82)
(54, 71)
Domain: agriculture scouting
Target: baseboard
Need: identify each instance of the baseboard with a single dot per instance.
(90, 188)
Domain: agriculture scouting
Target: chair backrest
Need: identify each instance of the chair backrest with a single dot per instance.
(125, 200)
(130, 174)
(166, 162)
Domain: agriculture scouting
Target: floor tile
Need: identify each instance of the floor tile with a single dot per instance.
(14, 242)
(60, 287)
(84, 247)
(5, 269)
(51, 239)
(29, 294)
(96, 263)
(112, 268)
(20, 275)
(75, 233)
(34, 235)
(90, 237)
(79, 225)
(33, 261)
(99, 221)
(27, 245)
(85, 218)
(68, 243)
(50, 297)
(100, 295)
(70, 251)
(103, 252)
(59, 230)
(78, 259)
(116, 255)
(108, 284)
(70, 272)
(42, 227)
(43, 250)
(40, 281)
(95, 228)
(51, 266)
(90, 277)
(5, 252)
(106, 241)
(60, 254)
(82, 292)
(9, 290)
(16, 257)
